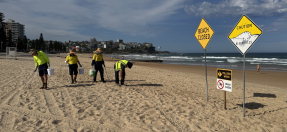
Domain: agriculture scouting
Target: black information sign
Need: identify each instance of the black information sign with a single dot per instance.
(224, 74)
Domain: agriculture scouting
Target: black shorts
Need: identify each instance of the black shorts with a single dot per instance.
(43, 69)
(73, 69)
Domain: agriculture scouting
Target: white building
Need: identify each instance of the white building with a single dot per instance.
(107, 46)
(103, 42)
(148, 44)
(123, 46)
(119, 40)
(17, 29)
(101, 46)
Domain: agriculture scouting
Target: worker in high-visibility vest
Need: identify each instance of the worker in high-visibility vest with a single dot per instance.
(42, 63)
(120, 70)
(71, 61)
(98, 63)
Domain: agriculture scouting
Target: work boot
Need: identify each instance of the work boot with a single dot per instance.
(72, 81)
(75, 80)
(122, 82)
(45, 86)
(42, 86)
(104, 81)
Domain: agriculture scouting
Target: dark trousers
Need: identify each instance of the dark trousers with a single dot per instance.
(43, 69)
(117, 73)
(101, 70)
(73, 69)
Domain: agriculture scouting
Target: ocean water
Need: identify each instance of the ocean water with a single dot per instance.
(267, 61)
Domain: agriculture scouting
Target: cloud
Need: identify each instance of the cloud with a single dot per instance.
(276, 26)
(255, 8)
(64, 20)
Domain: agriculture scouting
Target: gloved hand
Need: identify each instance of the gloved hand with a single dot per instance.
(80, 65)
(35, 70)
(68, 64)
(92, 66)
(48, 64)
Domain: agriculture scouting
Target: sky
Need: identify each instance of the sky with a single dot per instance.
(170, 24)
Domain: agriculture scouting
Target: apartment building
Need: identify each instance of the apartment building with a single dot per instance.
(17, 29)
(93, 41)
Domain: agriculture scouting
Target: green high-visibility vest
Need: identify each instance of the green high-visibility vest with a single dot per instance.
(118, 64)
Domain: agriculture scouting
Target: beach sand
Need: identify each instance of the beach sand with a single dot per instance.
(156, 97)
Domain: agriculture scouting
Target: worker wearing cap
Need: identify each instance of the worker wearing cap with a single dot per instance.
(71, 61)
(120, 70)
(98, 62)
(42, 62)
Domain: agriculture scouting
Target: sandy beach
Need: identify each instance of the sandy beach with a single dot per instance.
(156, 98)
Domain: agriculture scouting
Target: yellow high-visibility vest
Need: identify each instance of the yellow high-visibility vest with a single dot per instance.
(98, 57)
(118, 64)
(41, 58)
(72, 59)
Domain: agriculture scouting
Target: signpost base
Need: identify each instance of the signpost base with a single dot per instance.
(225, 100)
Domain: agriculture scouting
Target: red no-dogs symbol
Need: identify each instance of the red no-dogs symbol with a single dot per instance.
(220, 84)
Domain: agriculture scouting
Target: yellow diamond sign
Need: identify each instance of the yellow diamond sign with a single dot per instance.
(203, 33)
(244, 34)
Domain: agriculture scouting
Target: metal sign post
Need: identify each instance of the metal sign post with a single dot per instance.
(243, 36)
(203, 34)
(206, 75)
(244, 86)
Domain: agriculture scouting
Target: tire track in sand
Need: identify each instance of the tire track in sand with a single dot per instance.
(179, 125)
(13, 100)
(13, 93)
(65, 96)
(50, 102)
(69, 121)
(7, 121)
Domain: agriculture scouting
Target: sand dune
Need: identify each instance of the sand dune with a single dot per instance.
(154, 99)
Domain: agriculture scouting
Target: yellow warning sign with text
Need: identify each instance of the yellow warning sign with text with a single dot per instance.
(203, 33)
(244, 34)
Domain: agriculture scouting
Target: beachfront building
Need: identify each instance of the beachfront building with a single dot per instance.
(103, 42)
(123, 46)
(147, 44)
(107, 46)
(115, 45)
(110, 42)
(93, 41)
(101, 46)
(120, 41)
(17, 29)
(139, 45)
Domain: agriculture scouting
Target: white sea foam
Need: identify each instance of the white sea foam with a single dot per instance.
(216, 57)
(233, 60)
(265, 58)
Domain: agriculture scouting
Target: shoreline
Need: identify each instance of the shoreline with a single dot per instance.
(269, 78)
(219, 60)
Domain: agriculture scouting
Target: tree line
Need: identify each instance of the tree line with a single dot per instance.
(24, 44)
